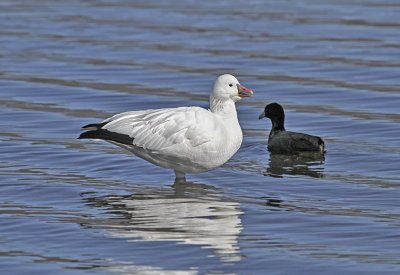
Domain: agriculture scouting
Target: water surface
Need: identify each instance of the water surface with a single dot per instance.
(81, 207)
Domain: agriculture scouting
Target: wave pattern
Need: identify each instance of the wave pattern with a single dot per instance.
(69, 206)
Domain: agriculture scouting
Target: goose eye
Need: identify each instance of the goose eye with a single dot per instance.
(230, 85)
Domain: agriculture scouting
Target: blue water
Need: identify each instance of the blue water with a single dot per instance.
(71, 206)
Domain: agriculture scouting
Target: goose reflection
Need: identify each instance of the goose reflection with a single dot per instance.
(307, 164)
(187, 213)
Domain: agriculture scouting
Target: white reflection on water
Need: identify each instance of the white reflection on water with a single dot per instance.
(198, 218)
(147, 270)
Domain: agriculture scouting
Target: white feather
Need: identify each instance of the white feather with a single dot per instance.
(185, 139)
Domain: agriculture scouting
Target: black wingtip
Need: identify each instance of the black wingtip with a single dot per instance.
(88, 134)
(94, 125)
(107, 135)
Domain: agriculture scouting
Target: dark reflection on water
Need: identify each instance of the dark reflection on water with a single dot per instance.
(271, 203)
(306, 164)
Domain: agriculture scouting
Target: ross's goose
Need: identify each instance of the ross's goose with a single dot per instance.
(184, 139)
(284, 142)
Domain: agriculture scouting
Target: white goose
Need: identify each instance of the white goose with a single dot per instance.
(185, 139)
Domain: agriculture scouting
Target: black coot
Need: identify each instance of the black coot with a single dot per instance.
(284, 142)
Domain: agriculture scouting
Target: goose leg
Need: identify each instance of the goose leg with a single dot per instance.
(180, 177)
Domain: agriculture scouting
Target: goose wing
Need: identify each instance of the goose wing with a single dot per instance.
(159, 130)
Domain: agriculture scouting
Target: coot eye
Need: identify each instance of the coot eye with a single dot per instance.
(230, 85)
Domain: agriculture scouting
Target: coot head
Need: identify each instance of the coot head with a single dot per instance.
(273, 111)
